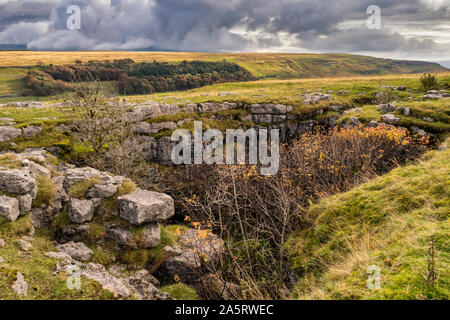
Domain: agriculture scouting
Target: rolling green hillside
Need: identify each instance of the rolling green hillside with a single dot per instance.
(260, 65)
(398, 222)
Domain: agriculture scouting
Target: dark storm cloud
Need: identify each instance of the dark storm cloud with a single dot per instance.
(217, 25)
(25, 11)
(355, 40)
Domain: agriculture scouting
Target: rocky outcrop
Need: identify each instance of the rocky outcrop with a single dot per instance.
(140, 285)
(8, 133)
(311, 98)
(20, 286)
(436, 94)
(132, 222)
(386, 108)
(81, 211)
(390, 119)
(185, 260)
(25, 104)
(37, 169)
(16, 181)
(76, 175)
(77, 251)
(270, 113)
(31, 131)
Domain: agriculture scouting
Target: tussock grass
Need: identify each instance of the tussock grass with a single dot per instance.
(46, 191)
(127, 187)
(10, 161)
(79, 189)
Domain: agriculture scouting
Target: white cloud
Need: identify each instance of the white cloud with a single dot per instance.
(413, 27)
(23, 32)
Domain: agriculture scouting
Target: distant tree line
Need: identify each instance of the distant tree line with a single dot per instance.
(134, 78)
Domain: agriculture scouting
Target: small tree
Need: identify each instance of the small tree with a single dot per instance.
(101, 124)
(429, 81)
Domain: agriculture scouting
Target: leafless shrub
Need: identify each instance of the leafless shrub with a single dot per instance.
(383, 97)
(102, 126)
(255, 215)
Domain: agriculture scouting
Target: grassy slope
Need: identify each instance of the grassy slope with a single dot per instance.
(387, 222)
(289, 91)
(37, 268)
(261, 65)
(12, 81)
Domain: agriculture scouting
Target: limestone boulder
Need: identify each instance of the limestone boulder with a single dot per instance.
(76, 250)
(25, 204)
(9, 208)
(37, 169)
(76, 175)
(102, 191)
(122, 237)
(390, 119)
(143, 287)
(20, 286)
(81, 211)
(32, 131)
(144, 206)
(386, 108)
(151, 236)
(8, 133)
(17, 181)
(186, 260)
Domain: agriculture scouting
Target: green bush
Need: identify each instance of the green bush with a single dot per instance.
(429, 81)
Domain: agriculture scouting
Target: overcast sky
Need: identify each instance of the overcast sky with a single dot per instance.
(409, 29)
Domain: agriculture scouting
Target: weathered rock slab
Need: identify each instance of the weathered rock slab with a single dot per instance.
(390, 119)
(17, 181)
(9, 208)
(8, 133)
(81, 211)
(77, 251)
(144, 206)
(20, 287)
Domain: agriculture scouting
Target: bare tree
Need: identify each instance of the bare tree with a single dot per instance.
(101, 124)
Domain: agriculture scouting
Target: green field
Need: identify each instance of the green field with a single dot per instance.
(260, 65)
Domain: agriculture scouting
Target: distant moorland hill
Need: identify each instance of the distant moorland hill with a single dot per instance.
(260, 65)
